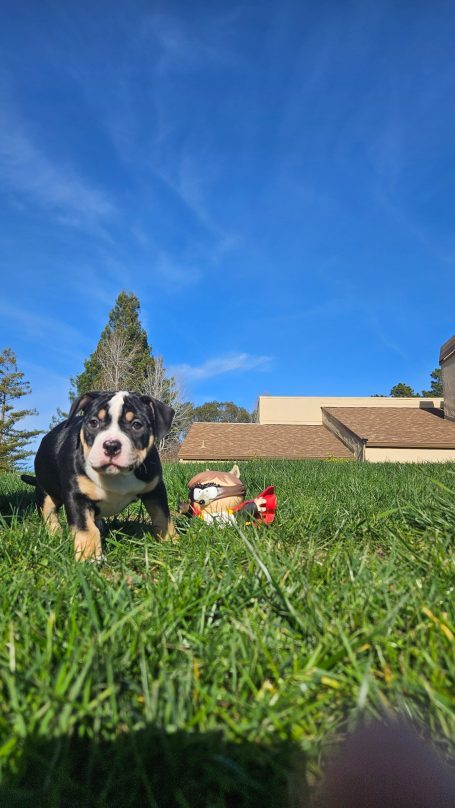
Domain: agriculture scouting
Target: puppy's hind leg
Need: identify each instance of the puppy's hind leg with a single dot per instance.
(47, 508)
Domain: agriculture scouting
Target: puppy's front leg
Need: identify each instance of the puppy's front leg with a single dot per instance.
(158, 509)
(86, 535)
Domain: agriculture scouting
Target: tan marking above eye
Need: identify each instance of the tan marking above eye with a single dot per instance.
(102, 414)
(129, 416)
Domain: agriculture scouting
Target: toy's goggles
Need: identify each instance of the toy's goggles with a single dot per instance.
(210, 492)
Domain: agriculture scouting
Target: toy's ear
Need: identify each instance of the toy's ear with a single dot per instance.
(162, 414)
(235, 471)
(81, 403)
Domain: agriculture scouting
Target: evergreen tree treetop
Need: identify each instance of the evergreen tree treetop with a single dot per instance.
(122, 358)
(436, 384)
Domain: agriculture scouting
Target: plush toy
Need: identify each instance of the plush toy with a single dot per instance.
(219, 497)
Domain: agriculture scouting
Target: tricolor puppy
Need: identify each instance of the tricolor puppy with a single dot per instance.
(96, 463)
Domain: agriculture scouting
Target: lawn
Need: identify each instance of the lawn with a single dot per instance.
(222, 670)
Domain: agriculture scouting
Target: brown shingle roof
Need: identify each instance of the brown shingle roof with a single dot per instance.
(215, 441)
(406, 427)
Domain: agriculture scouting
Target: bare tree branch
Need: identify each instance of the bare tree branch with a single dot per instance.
(116, 361)
(166, 389)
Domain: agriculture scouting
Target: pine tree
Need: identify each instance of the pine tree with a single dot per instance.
(122, 360)
(223, 412)
(13, 441)
(402, 390)
(436, 385)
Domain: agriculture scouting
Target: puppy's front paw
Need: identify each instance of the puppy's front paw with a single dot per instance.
(87, 545)
(171, 533)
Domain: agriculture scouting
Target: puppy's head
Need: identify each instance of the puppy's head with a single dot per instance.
(119, 429)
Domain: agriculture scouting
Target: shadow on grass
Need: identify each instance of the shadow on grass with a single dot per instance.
(153, 768)
(135, 526)
(19, 502)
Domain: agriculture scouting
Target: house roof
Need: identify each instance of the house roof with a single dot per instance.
(405, 428)
(217, 441)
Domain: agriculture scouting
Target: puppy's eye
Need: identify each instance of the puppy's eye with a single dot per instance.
(136, 425)
(94, 423)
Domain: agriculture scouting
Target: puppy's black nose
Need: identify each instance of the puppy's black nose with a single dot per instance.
(112, 447)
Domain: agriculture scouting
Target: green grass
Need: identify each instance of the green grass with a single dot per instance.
(219, 671)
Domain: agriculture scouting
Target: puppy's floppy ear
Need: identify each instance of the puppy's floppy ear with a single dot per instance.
(162, 415)
(80, 403)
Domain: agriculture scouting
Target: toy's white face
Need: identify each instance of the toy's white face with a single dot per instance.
(215, 495)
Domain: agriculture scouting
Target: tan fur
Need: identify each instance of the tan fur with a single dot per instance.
(49, 514)
(142, 453)
(171, 534)
(102, 414)
(87, 543)
(151, 485)
(85, 446)
(155, 513)
(129, 416)
(90, 489)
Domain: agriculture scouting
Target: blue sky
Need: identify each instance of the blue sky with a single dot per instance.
(275, 181)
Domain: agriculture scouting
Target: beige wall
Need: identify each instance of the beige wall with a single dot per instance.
(448, 383)
(307, 409)
(381, 455)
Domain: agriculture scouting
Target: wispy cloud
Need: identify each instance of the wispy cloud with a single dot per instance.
(176, 150)
(173, 273)
(58, 336)
(219, 366)
(28, 172)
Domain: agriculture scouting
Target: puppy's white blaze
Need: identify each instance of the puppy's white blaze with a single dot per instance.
(116, 406)
(127, 455)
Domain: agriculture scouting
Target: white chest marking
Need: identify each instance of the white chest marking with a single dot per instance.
(116, 492)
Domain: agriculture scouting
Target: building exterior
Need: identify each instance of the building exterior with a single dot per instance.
(406, 434)
(373, 429)
(447, 362)
(308, 409)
